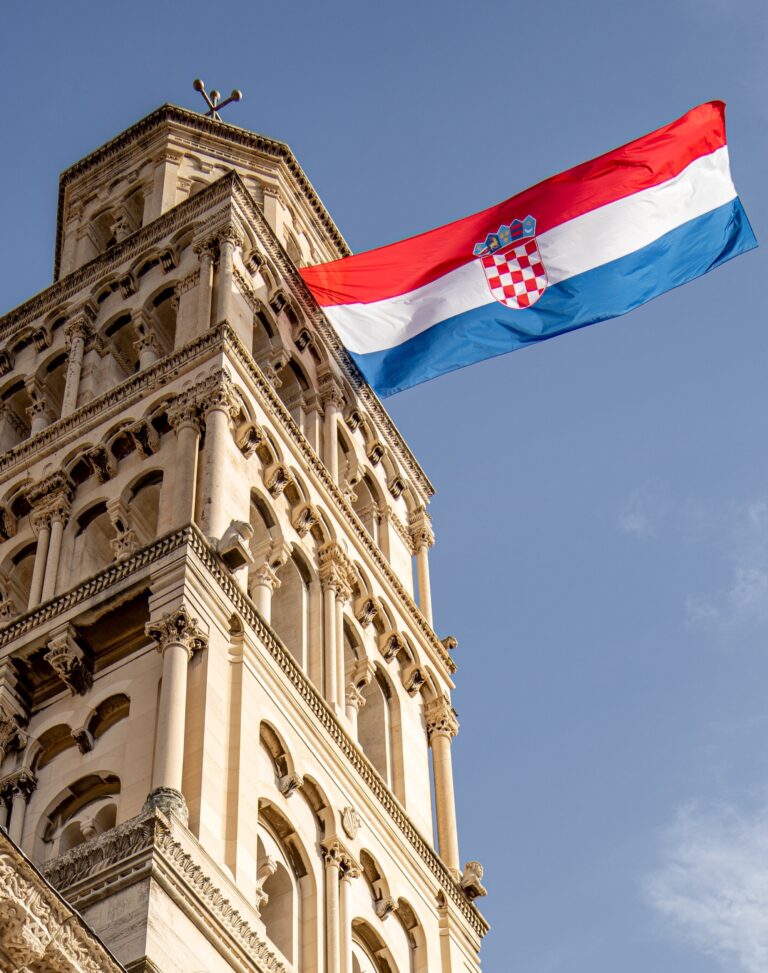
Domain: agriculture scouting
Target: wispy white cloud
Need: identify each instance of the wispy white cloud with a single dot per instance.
(712, 885)
(741, 601)
(643, 511)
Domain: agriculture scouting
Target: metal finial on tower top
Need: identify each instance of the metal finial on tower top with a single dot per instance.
(212, 101)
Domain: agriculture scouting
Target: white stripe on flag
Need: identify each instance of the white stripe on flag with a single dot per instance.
(596, 238)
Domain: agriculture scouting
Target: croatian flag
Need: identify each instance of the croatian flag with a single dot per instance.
(584, 246)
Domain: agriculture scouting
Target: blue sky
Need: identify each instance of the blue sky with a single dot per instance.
(602, 505)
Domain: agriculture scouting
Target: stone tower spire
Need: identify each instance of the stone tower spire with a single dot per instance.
(220, 685)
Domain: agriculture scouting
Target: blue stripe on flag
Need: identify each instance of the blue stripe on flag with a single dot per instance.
(605, 292)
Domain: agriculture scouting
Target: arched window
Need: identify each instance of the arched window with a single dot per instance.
(291, 604)
(374, 724)
(92, 544)
(20, 576)
(143, 507)
(86, 809)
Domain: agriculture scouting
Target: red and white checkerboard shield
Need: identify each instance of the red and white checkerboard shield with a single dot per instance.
(516, 274)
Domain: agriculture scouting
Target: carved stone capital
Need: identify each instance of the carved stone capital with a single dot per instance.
(168, 800)
(414, 677)
(265, 577)
(145, 437)
(183, 411)
(420, 529)
(220, 395)
(102, 462)
(69, 662)
(330, 389)
(50, 487)
(13, 735)
(78, 328)
(335, 570)
(177, 628)
(338, 855)
(440, 718)
(21, 783)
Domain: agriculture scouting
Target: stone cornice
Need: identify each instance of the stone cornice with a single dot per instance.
(190, 536)
(147, 845)
(171, 114)
(38, 929)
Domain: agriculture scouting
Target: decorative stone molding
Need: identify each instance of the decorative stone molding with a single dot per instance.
(249, 438)
(276, 479)
(367, 609)
(149, 844)
(13, 735)
(178, 628)
(68, 661)
(391, 644)
(330, 389)
(414, 678)
(39, 932)
(169, 801)
(265, 575)
(145, 437)
(305, 519)
(471, 881)
(441, 718)
(267, 868)
(351, 822)
(289, 783)
(385, 907)
(233, 545)
(102, 462)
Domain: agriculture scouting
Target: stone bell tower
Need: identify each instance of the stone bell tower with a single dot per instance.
(225, 717)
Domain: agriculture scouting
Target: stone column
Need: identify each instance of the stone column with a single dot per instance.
(41, 524)
(334, 571)
(333, 401)
(58, 517)
(177, 496)
(39, 413)
(348, 873)
(77, 332)
(227, 244)
(205, 286)
(332, 858)
(177, 637)
(18, 788)
(423, 538)
(4, 812)
(220, 406)
(264, 583)
(442, 726)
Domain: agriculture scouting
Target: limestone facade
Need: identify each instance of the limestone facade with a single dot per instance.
(224, 710)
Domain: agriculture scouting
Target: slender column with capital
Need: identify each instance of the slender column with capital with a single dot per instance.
(177, 636)
(348, 873)
(77, 332)
(264, 583)
(423, 538)
(334, 571)
(332, 945)
(333, 400)
(59, 516)
(220, 406)
(361, 675)
(442, 726)
(182, 416)
(42, 526)
(18, 788)
(4, 812)
(205, 287)
(227, 244)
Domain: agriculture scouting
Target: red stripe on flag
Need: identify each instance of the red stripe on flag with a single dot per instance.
(402, 267)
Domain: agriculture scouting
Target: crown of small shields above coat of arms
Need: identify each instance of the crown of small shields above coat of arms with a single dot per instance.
(514, 270)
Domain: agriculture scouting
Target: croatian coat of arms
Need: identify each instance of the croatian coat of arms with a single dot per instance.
(513, 265)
